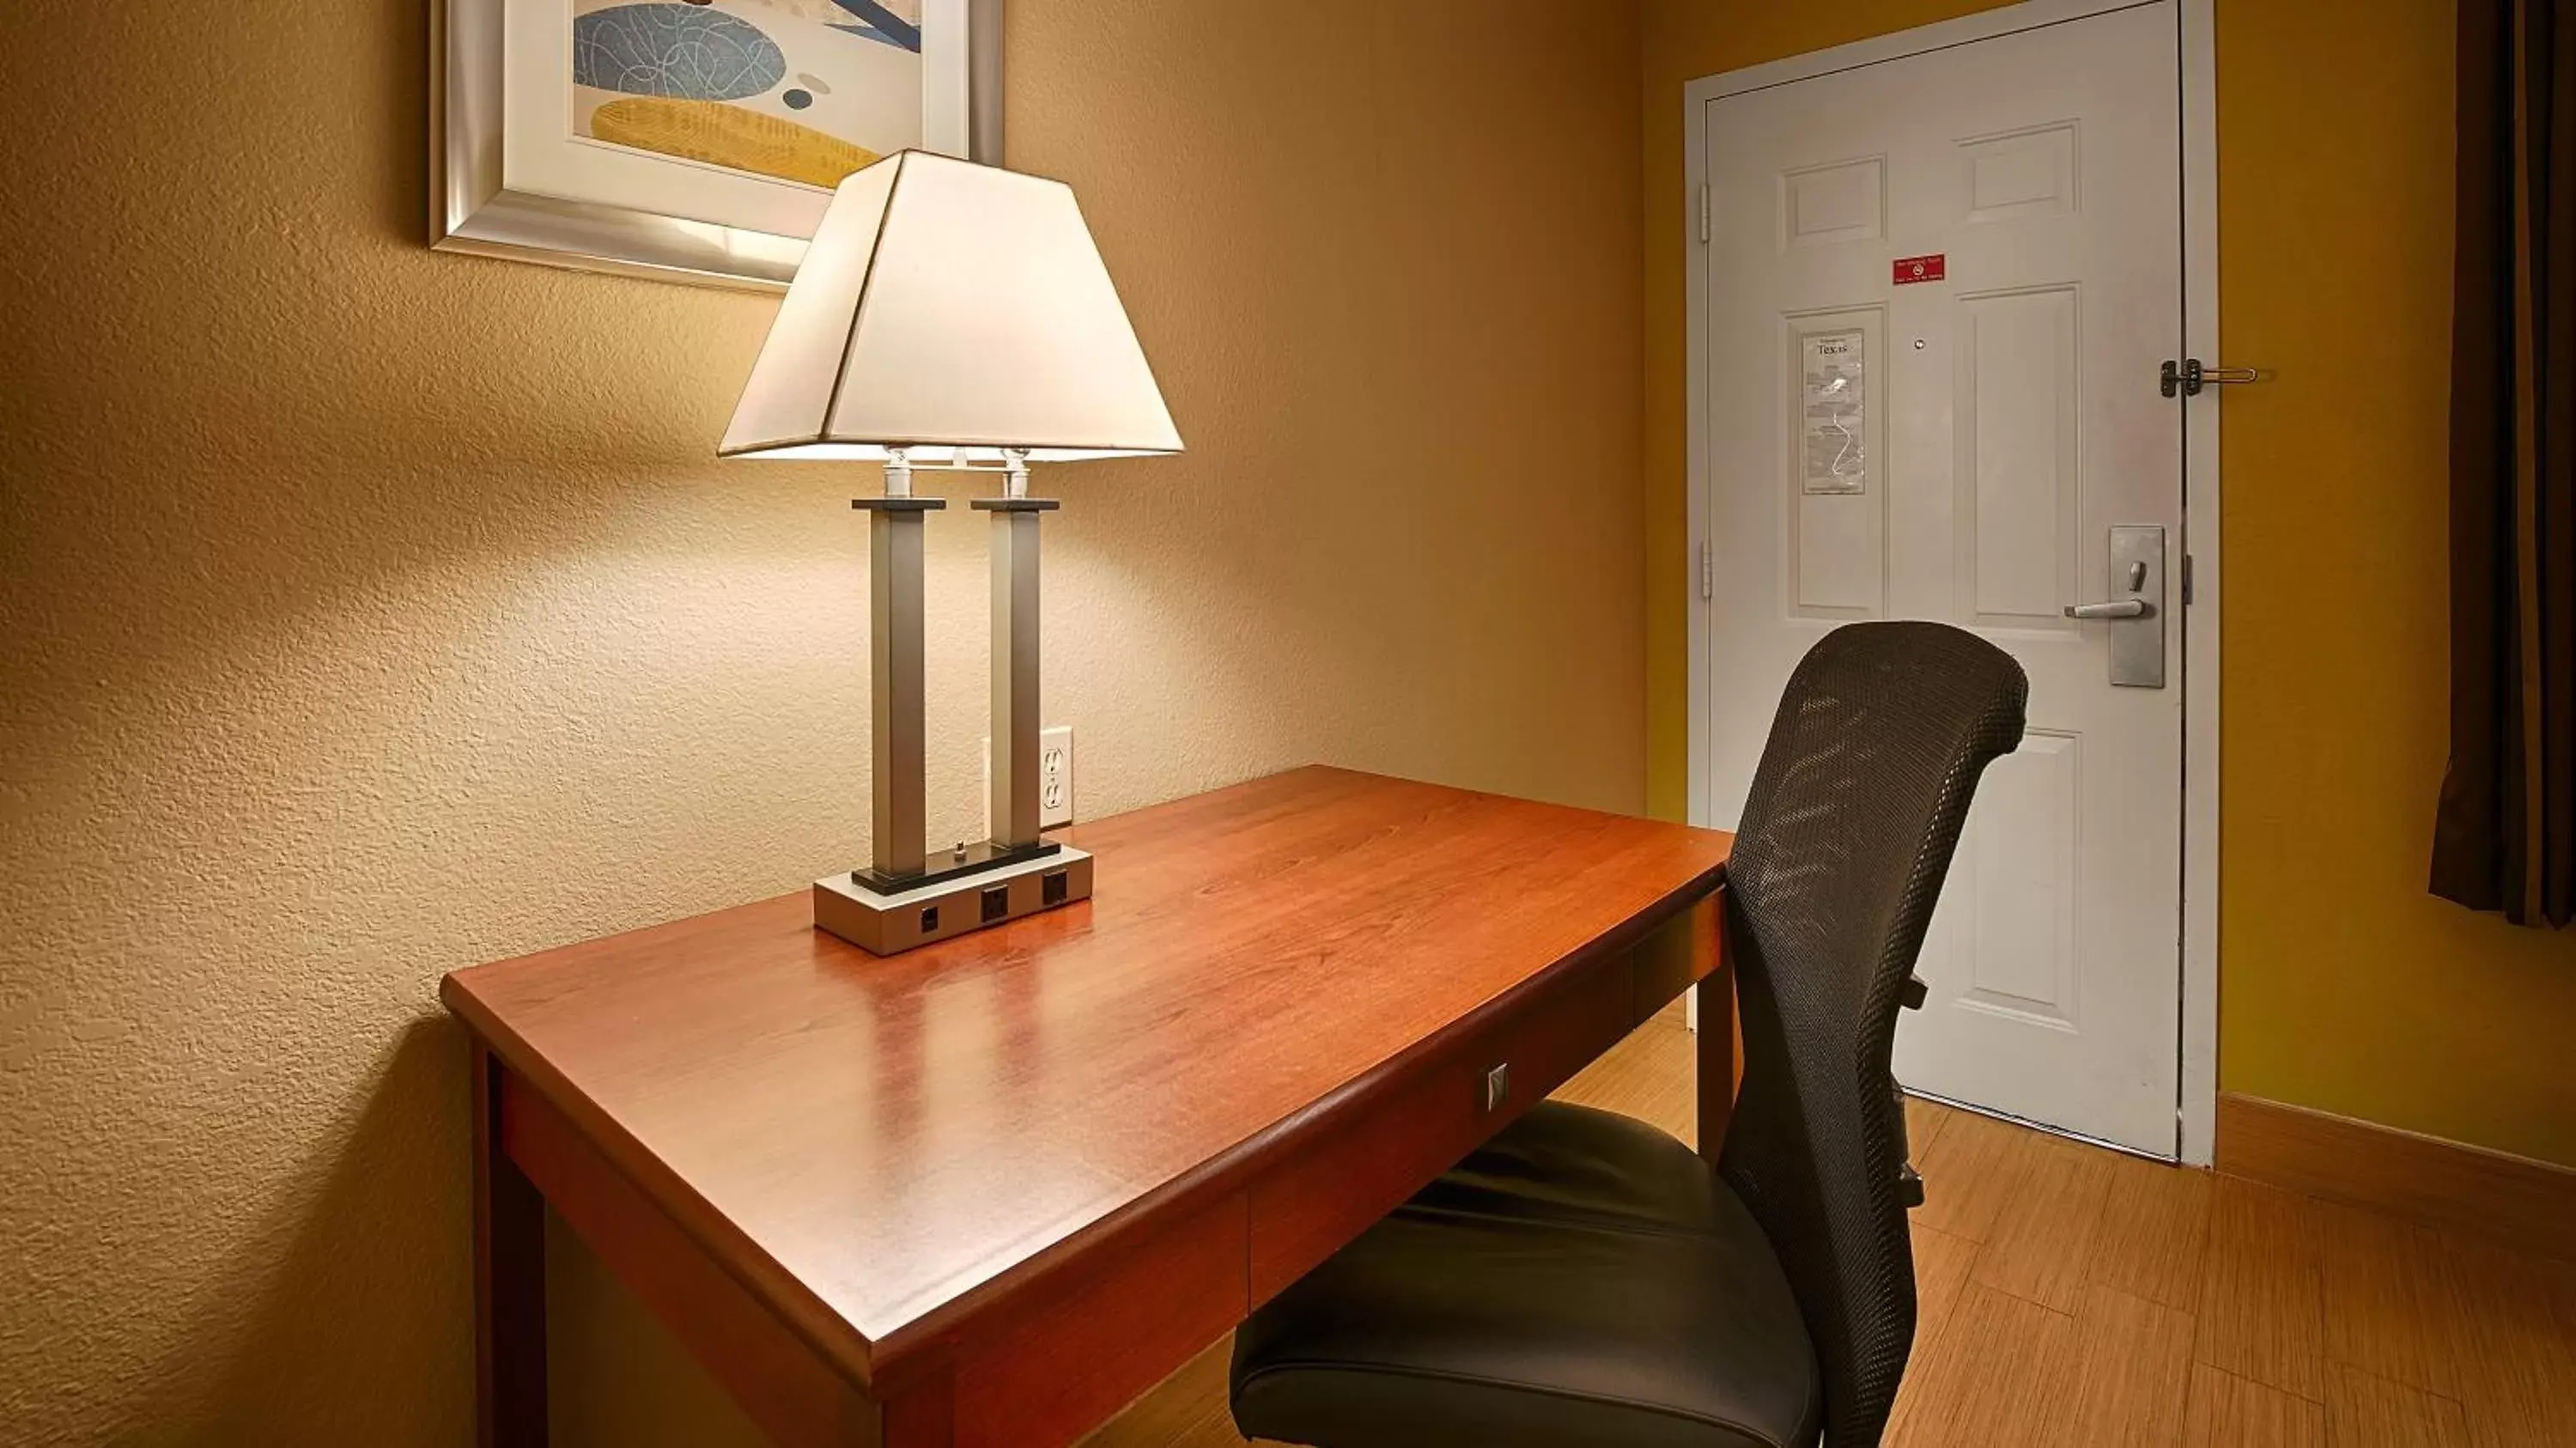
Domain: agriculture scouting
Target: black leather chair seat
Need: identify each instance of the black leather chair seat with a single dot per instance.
(1582, 1279)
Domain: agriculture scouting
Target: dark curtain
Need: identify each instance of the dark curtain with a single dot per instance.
(2506, 836)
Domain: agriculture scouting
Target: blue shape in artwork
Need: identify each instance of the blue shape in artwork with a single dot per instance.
(688, 52)
(879, 23)
(798, 100)
(869, 32)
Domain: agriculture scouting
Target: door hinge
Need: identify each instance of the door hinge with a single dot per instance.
(2186, 580)
(1707, 214)
(1707, 569)
(2188, 376)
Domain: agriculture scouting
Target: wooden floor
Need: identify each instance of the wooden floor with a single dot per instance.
(2074, 1296)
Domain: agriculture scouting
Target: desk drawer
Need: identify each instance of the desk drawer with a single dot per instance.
(1410, 1131)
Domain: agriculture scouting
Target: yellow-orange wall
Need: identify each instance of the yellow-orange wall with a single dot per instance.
(2345, 987)
(367, 612)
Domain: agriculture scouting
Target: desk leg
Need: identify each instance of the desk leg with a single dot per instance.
(1719, 1059)
(509, 1280)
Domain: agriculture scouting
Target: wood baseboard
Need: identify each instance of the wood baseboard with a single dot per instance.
(2530, 1205)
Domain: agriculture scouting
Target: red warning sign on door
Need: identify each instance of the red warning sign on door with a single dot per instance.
(1912, 269)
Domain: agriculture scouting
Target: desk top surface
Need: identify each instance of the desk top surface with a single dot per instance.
(896, 1135)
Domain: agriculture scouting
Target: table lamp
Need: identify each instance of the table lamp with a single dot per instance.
(955, 317)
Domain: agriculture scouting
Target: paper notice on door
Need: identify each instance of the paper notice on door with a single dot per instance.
(1835, 412)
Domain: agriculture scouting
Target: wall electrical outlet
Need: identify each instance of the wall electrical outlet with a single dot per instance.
(1055, 777)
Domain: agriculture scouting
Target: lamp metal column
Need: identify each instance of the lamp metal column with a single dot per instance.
(1015, 805)
(898, 767)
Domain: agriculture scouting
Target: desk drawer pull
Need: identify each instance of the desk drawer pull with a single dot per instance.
(1498, 1086)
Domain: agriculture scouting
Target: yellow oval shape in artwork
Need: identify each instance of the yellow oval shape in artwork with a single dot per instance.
(729, 136)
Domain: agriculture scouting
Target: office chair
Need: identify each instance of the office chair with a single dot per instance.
(1583, 1278)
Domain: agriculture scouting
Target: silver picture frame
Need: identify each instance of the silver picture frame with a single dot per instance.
(472, 210)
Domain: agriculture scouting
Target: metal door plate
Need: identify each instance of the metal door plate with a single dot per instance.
(2138, 644)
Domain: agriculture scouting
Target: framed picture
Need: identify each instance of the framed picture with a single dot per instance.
(695, 140)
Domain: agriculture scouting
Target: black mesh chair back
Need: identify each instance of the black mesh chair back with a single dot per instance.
(1845, 838)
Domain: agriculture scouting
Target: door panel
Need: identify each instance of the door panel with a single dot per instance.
(1959, 448)
(1837, 544)
(2015, 464)
(2016, 884)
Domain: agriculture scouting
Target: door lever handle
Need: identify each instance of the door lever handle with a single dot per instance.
(2123, 608)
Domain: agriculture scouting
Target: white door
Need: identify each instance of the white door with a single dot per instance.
(1939, 291)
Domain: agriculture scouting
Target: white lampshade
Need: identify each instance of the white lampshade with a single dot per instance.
(946, 305)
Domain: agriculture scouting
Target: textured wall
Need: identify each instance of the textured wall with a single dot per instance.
(370, 613)
(2346, 987)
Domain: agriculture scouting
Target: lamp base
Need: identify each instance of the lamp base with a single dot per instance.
(981, 858)
(889, 924)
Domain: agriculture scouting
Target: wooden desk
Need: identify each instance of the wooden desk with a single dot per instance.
(985, 1194)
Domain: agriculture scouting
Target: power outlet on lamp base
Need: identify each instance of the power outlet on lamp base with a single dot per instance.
(1055, 777)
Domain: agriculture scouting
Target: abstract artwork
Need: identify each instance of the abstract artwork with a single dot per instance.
(698, 139)
(800, 90)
